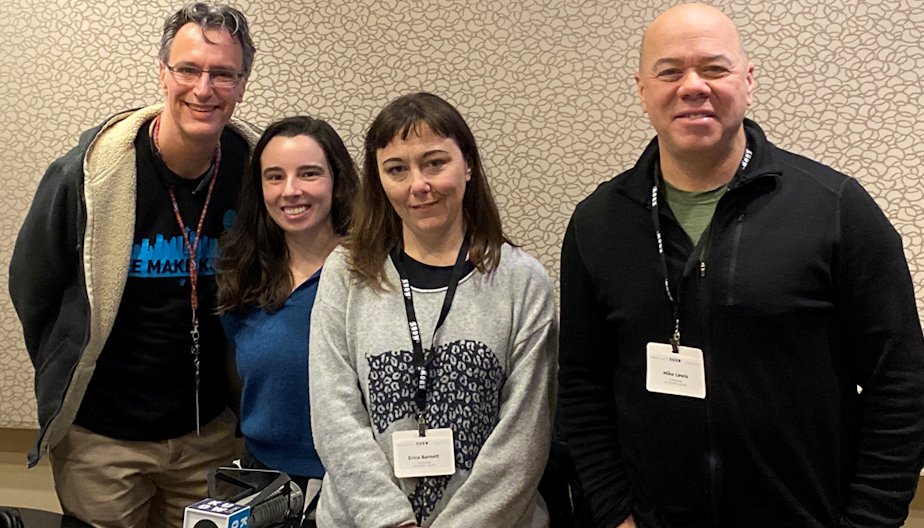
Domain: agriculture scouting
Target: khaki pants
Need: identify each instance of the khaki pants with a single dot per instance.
(124, 484)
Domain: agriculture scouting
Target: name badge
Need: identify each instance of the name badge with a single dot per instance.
(680, 374)
(424, 456)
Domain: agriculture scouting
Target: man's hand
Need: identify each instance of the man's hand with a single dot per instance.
(628, 523)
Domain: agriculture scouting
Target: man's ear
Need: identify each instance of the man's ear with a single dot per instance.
(640, 87)
(162, 75)
(751, 82)
(243, 88)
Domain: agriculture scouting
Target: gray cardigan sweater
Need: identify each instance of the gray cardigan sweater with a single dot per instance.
(494, 374)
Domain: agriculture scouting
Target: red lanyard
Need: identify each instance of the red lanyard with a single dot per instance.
(193, 249)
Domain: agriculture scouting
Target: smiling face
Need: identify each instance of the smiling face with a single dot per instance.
(199, 111)
(298, 186)
(424, 177)
(694, 81)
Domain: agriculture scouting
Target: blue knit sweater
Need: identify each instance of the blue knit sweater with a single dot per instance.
(272, 360)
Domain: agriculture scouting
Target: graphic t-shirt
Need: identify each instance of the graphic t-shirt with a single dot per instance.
(144, 384)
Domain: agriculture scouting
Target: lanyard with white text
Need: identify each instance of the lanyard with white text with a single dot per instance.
(421, 361)
(193, 249)
(700, 249)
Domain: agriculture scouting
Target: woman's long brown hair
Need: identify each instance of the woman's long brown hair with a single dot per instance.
(253, 270)
(377, 227)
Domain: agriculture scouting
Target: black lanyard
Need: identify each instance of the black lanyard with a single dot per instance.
(701, 248)
(421, 360)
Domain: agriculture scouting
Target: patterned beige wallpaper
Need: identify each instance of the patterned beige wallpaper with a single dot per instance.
(545, 84)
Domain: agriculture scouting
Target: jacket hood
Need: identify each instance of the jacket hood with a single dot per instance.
(118, 133)
(108, 180)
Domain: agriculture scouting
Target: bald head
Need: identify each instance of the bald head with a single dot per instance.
(678, 20)
(695, 84)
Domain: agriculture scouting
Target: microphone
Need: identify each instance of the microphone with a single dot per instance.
(211, 513)
(10, 518)
(277, 506)
(247, 498)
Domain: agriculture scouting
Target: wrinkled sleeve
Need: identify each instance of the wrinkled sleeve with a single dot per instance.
(45, 257)
(882, 337)
(361, 476)
(587, 407)
(501, 488)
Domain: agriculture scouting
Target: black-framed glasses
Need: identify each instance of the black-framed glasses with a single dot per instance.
(220, 78)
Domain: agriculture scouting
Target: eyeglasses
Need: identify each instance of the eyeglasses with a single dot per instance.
(219, 78)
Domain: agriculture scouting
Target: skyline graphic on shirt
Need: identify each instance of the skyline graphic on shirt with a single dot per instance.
(168, 257)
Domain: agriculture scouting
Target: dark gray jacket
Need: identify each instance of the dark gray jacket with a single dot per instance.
(70, 264)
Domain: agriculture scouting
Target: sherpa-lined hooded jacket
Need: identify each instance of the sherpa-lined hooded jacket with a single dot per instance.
(70, 264)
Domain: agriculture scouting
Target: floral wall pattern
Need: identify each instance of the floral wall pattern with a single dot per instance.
(545, 84)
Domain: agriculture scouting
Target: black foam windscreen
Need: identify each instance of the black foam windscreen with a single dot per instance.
(205, 523)
(10, 518)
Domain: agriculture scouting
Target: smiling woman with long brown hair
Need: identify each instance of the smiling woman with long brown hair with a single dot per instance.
(295, 207)
(433, 342)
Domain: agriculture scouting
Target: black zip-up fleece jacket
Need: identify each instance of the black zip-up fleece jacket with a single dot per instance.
(802, 295)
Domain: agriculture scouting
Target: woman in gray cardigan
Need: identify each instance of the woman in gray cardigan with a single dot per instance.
(433, 342)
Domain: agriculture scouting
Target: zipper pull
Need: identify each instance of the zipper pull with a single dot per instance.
(702, 268)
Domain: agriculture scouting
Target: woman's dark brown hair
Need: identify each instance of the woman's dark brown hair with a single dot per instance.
(254, 267)
(377, 227)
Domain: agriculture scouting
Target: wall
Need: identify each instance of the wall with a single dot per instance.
(545, 84)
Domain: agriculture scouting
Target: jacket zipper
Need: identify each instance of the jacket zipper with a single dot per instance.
(712, 459)
(713, 463)
(734, 258)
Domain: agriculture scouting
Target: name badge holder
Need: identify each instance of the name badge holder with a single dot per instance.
(424, 453)
(675, 369)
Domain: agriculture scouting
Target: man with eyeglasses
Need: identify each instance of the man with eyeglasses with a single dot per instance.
(113, 282)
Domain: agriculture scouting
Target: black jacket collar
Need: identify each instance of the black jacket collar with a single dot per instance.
(637, 181)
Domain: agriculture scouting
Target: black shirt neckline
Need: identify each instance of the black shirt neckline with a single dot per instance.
(170, 178)
(428, 277)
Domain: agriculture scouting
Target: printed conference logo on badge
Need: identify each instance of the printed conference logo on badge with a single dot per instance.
(424, 456)
(678, 374)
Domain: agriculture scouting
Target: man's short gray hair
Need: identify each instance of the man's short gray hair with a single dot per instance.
(216, 16)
